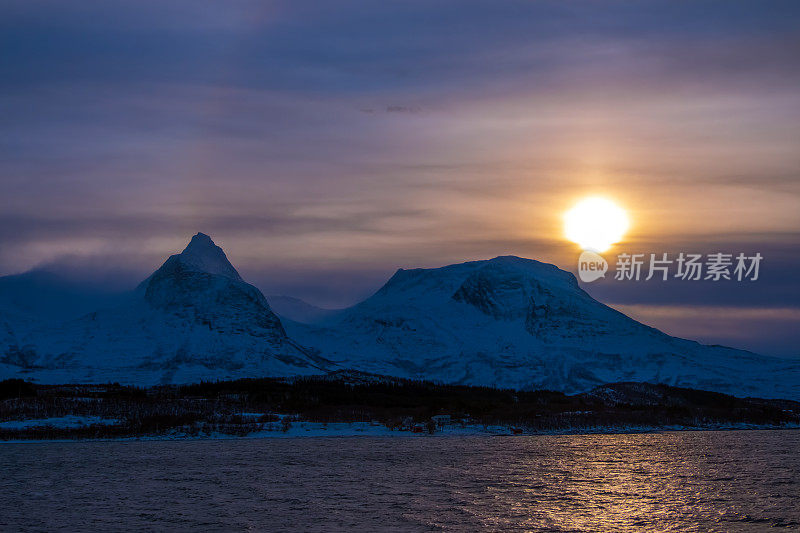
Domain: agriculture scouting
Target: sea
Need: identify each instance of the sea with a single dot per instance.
(674, 481)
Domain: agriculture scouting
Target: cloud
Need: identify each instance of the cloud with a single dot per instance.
(771, 330)
(362, 136)
(403, 109)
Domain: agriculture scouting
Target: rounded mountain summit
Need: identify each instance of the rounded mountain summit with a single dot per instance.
(505, 322)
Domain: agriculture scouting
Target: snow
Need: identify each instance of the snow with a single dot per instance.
(367, 429)
(517, 323)
(202, 255)
(181, 325)
(62, 422)
(506, 322)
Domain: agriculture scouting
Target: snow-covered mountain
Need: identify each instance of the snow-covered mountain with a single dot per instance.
(506, 322)
(193, 318)
(513, 322)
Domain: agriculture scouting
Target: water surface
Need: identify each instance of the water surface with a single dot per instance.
(683, 481)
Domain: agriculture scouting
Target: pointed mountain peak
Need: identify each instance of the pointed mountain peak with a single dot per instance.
(201, 239)
(203, 255)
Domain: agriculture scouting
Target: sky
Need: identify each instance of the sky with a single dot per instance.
(323, 145)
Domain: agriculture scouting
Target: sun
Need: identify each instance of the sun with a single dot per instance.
(595, 224)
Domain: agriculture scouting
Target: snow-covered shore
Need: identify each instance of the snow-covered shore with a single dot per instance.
(302, 429)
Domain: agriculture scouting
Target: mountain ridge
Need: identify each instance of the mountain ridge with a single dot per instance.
(513, 322)
(505, 322)
(194, 318)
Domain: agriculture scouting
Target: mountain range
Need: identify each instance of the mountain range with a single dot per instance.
(505, 322)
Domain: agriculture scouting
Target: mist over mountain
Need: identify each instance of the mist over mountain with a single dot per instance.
(298, 310)
(504, 322)
(47, 295)
(192, 319)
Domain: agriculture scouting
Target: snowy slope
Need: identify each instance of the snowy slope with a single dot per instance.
(506, 322)
(298, 310)
(194, 318)
(519, 323)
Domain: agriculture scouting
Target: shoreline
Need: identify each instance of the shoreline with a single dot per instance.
(346, 430)
(267, 408)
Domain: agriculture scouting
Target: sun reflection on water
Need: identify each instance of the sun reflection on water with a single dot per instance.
(614, 483)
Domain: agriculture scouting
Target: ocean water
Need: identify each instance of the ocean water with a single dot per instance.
(681, 481)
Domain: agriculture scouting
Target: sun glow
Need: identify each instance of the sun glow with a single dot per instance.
(595, 224)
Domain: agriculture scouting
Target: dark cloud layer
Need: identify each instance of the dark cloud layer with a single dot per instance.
(326, 144)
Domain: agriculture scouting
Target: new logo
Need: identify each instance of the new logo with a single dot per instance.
(591, 266)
